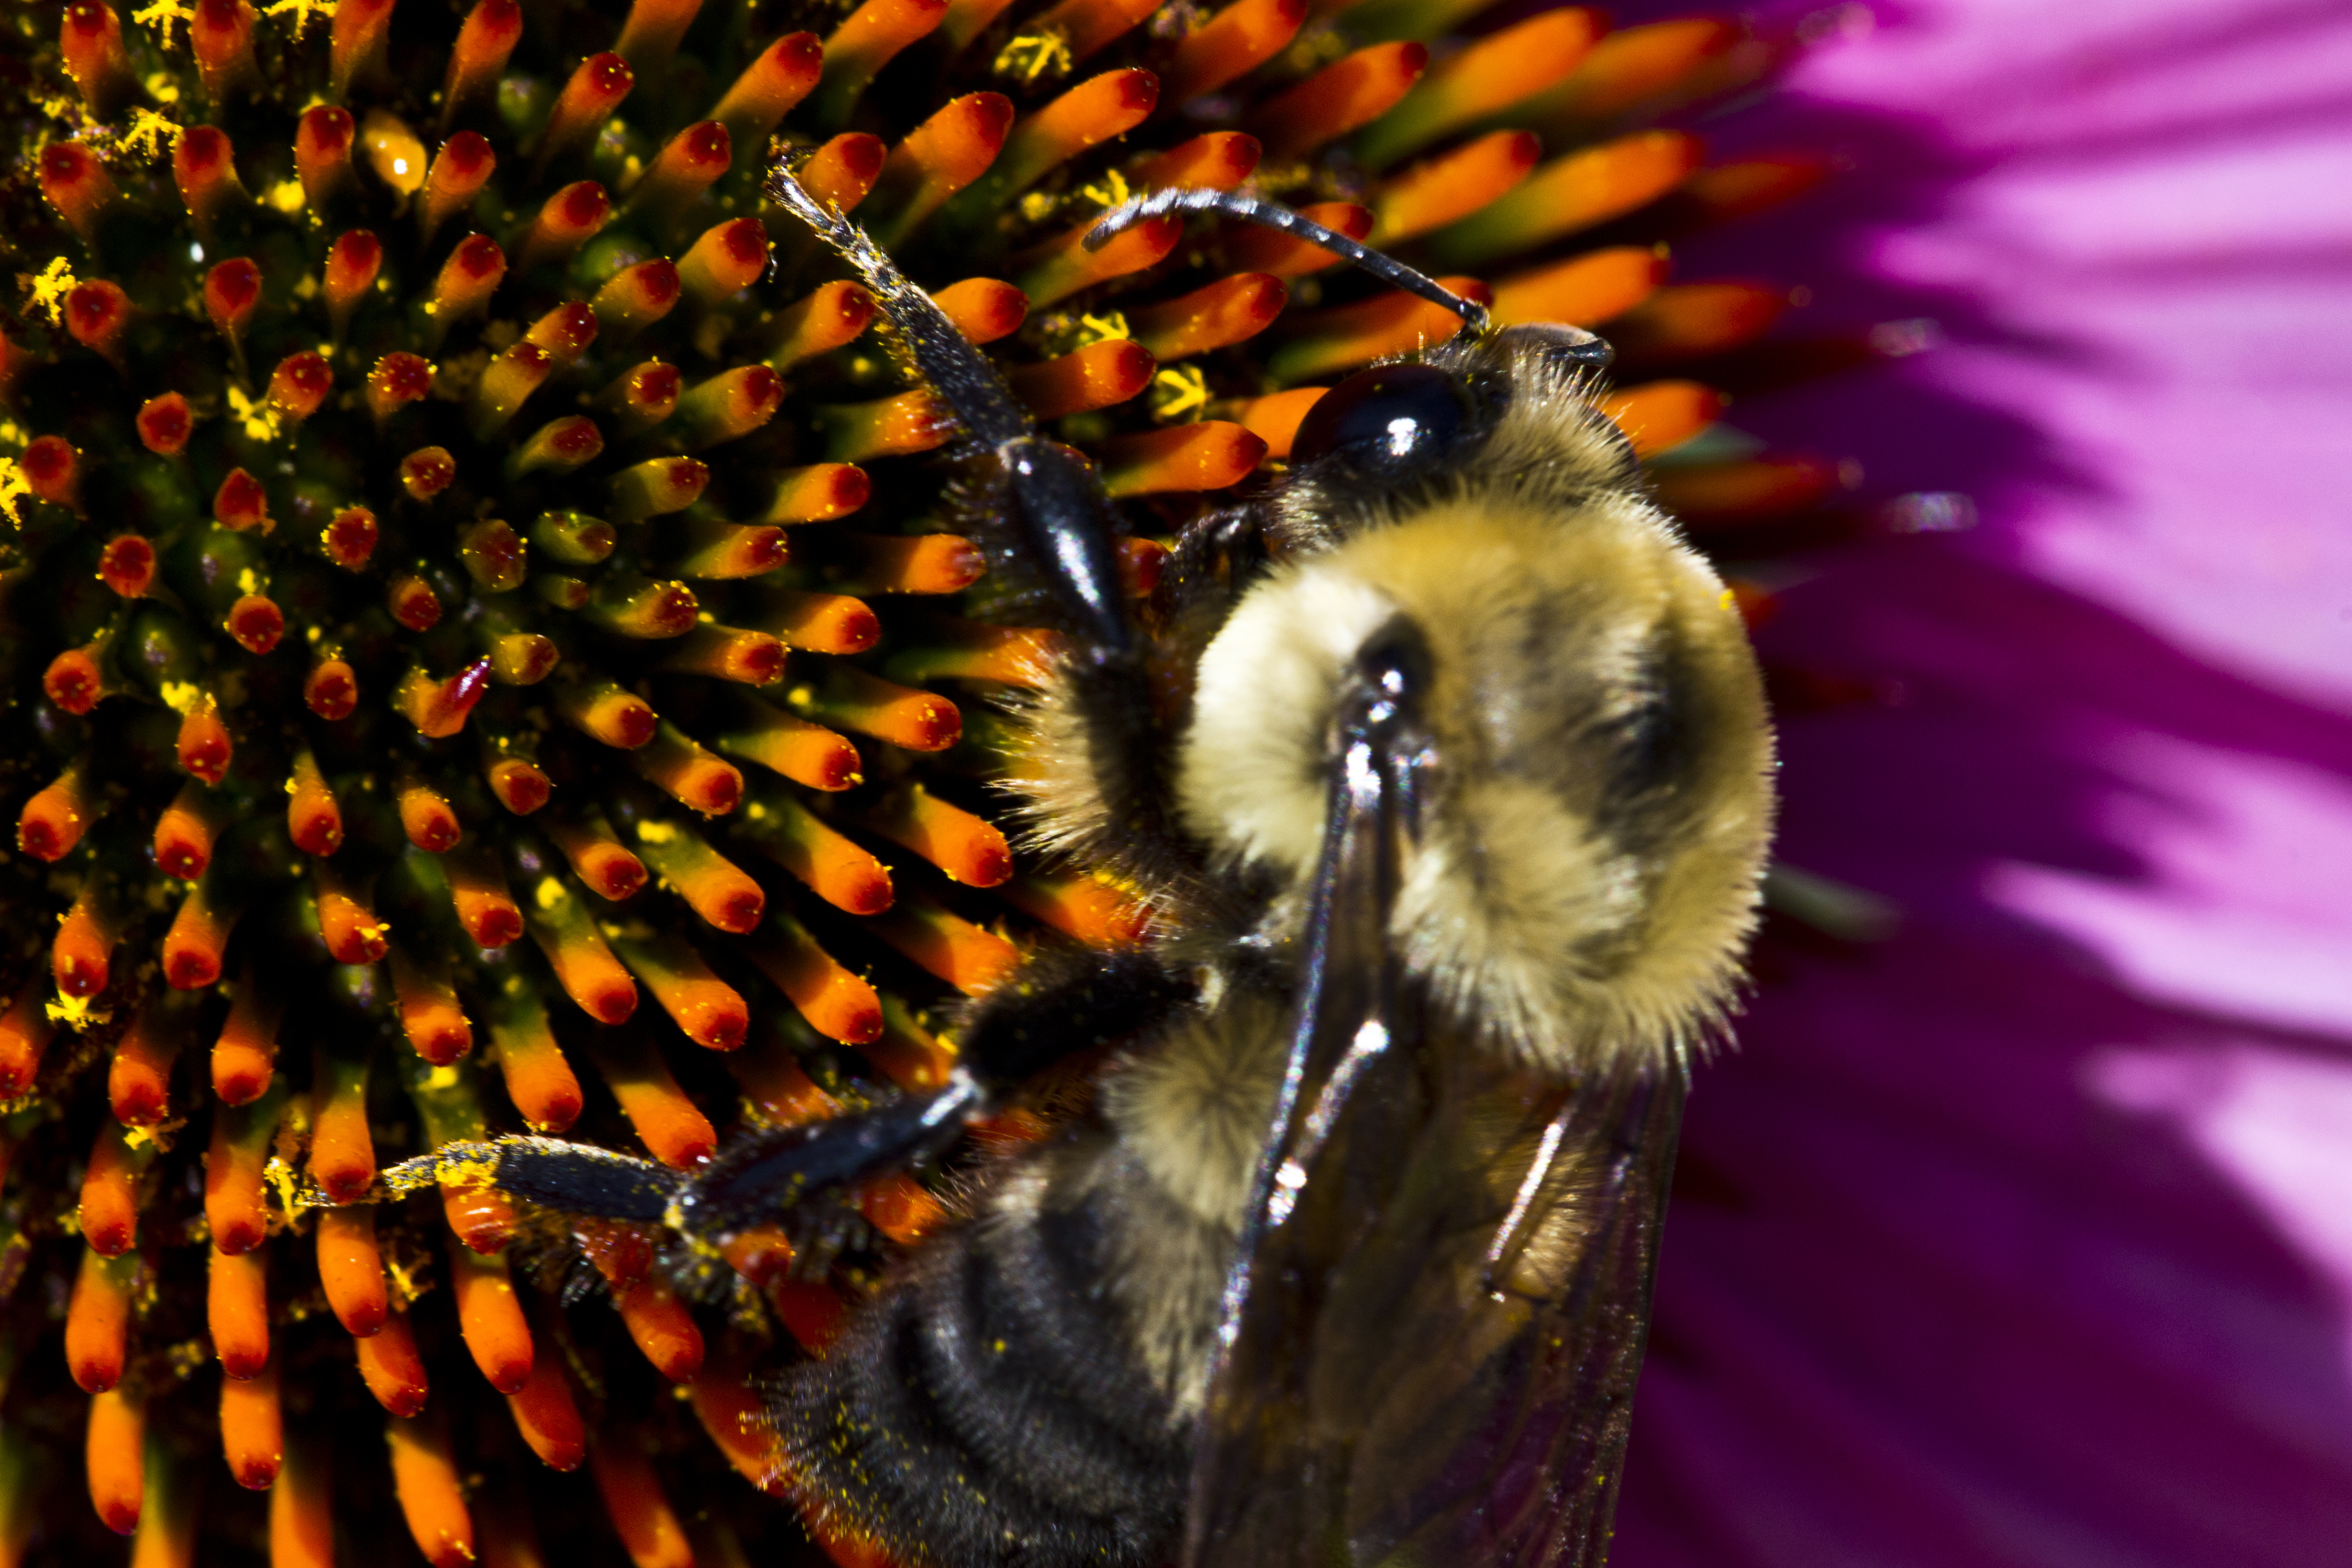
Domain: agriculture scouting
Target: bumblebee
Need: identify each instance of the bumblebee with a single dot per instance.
(1445, 766)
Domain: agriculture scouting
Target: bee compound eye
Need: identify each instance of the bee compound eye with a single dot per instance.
(1390, 422)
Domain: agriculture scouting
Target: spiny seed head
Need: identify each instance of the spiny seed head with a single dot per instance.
(462, 554)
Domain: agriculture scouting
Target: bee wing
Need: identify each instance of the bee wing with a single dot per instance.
(1429, 1342)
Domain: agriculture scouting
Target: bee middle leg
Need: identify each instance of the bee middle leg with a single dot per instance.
(1057, 1005)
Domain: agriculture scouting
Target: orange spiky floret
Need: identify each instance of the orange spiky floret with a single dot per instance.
(494, 492)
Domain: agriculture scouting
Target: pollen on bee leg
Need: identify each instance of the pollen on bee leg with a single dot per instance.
(430, 1012)
(1662, 414)
(1206, 455)
(548, 1417)
(97, 1319)
(1079, 905)
(1346, 336)
(489, 1318)
(253, 1431)
(538, 1081)
(342, 1150)
(830, 316)
(968, 957)
(778, 78)
(485, 40)
(323, 161)
(424, 1478)
(245, 1053)
(1236, 41)
(390, 1367)
(1058, 269)
(1569, 193)
(115, 1459)
(671, 1126)
(939, 157)
(350, 1270)
(836, 868)
(559, 924)
(237, 1311)
(867, 39)
(301, 1510)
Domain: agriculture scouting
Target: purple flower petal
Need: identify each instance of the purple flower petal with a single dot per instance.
(2022, 1238)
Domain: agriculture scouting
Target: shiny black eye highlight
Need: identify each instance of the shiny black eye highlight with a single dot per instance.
(1391, 421)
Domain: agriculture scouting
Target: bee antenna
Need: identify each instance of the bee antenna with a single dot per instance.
(1272, 214)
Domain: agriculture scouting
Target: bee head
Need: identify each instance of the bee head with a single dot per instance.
(1594, 803)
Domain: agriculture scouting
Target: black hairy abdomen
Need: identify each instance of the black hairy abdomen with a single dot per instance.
(986, 1409)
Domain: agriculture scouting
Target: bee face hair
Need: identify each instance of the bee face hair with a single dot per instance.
(1585, 878)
